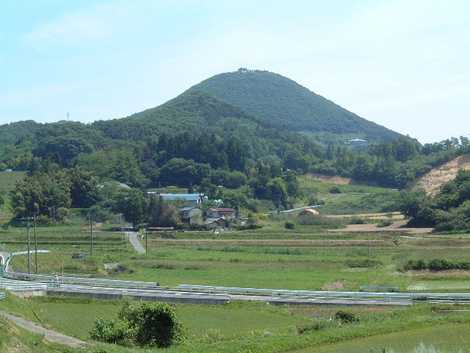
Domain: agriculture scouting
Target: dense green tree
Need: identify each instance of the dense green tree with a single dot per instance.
(62, 150)
(42, 194)
(278, 192)
(83, 188)
(161, 214)
(182, 172)
(134, 206)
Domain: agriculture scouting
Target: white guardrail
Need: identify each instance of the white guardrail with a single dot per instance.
(305, 294)
(82, 281)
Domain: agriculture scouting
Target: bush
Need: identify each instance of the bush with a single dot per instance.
(110, 331)
(435, 265)
(385, 223)
(152, 324)
(346, 317)
(357, 220)
(289, 225)
(366, 263)
(145, 324)
(335, 190)
(307, 328)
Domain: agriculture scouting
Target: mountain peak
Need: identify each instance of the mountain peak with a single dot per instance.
(283, 103)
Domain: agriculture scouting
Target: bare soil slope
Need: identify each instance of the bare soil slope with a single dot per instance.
(432, 181)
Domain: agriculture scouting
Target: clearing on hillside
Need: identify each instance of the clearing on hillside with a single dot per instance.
(432, 181)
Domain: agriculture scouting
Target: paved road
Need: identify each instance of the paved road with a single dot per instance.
(3, 257)
(49, 335)
(135, 242)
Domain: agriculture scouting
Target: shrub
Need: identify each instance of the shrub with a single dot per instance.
(362, 263)
(315, 326)
(335, 190)
(357, 220)
(145, 324)
(289, 225)
(384, 223)
(346, 317)
(110, 331)
(153, 324)
(435, 265)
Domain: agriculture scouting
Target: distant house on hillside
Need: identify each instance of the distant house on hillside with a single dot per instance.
(358, 142)
(225, 213)
(186, 199)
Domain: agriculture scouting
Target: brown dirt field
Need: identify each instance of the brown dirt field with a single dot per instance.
(432, 181)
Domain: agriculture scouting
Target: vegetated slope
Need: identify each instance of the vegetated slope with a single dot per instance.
(437, 177)
(11, 133)
(14, 339)
(190, 111)
(287, 105)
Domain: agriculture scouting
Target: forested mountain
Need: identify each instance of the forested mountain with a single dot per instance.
(200, 141)
(284, 104)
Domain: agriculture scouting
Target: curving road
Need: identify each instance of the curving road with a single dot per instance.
(135, 242)
(49, 335)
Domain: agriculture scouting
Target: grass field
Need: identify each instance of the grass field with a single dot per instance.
(351, 198)
(8, 180)
(307, 257)
(14, 339)
(272, 257)
(256, 327)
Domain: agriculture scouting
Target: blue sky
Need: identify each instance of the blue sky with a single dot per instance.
(401, 63)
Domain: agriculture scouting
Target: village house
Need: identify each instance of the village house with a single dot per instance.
(225, 213)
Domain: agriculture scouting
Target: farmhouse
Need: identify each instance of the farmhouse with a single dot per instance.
(225, 213)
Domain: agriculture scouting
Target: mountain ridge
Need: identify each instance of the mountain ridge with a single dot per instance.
(285, 104)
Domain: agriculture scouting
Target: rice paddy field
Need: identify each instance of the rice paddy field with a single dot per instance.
(256, 327)
(272, 257)
(320, 256)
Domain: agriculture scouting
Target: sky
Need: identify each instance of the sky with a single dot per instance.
(401, 63)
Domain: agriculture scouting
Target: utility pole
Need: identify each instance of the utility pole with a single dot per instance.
(35, 245)
(29, 244)
(91, 234)
(146, 241)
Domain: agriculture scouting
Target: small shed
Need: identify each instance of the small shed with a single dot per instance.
(308, 215)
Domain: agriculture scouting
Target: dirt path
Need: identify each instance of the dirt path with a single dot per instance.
(136, 244)
(49, 335)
